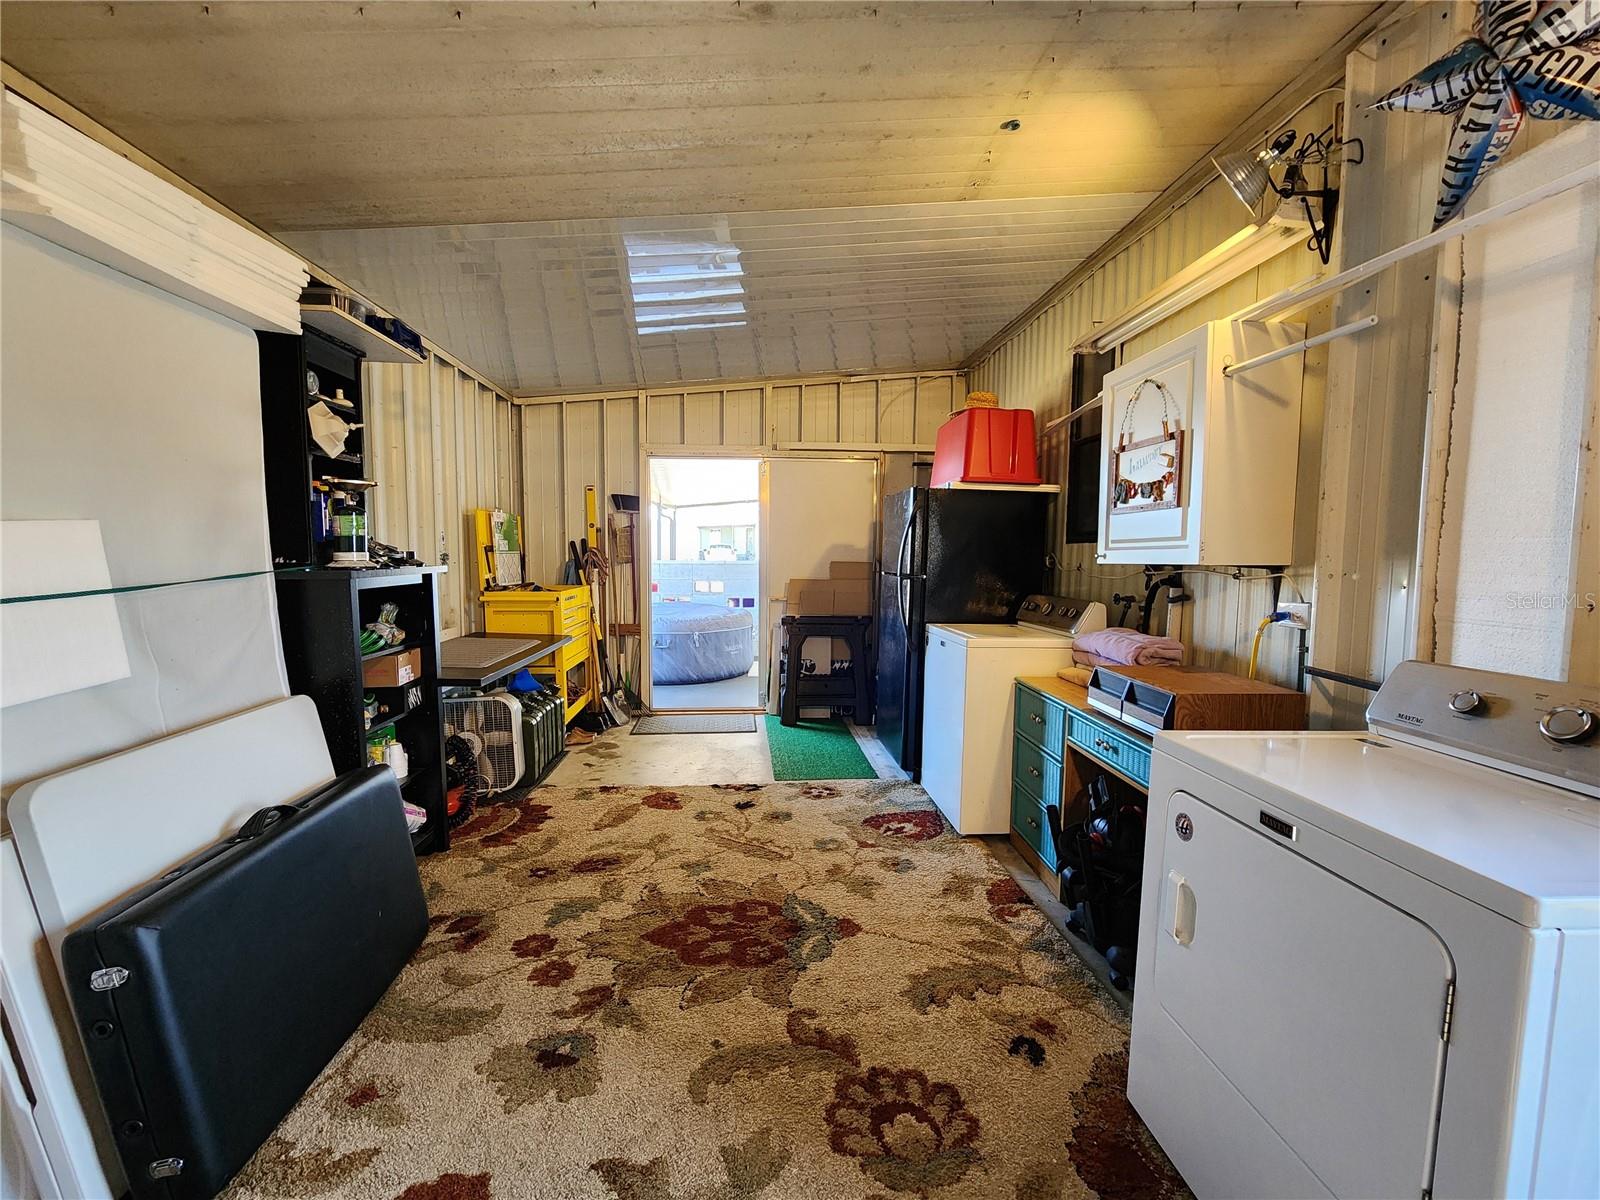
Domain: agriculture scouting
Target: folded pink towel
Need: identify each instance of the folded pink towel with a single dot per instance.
(1128, 647)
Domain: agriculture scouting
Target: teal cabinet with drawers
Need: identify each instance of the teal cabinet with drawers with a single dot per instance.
(1038, 776)
(1030, 822)
(1050, 732)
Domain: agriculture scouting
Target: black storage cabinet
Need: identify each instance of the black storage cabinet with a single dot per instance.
(321, 612)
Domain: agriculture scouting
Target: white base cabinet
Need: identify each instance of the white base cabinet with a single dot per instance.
(967, 716)
(1196, 467)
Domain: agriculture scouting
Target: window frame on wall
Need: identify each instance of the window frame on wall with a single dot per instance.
(1082, 521)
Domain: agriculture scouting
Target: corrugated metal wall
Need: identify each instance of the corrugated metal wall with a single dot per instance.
(1033, 370)
(443, 443)
(571, 441)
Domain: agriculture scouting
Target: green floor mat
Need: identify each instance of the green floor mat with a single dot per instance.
(815, 750)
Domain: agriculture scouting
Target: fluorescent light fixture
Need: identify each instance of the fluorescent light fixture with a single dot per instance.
(1244, 251)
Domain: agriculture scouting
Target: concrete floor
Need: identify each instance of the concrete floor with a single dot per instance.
(617, 756)
(724, 693)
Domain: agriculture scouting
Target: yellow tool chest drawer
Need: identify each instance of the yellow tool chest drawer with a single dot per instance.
(557, 610)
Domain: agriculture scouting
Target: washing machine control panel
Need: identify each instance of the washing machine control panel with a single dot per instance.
(1535, 727)
(1063, 614)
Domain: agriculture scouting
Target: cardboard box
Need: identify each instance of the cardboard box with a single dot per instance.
(839, 569)
(852, 598)
(392, 670)
(809, 598)
(828, 598)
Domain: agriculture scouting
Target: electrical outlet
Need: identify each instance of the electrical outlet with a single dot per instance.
(1299, 615)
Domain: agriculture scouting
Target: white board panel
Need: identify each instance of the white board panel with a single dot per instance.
(858, 412)
(702, 419)
(783, 413)
(664, 420)
(741, 417)
(897, 411)
(819, 412)
(56, 646)
(935, 398)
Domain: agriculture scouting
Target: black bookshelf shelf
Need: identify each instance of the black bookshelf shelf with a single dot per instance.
(321, 614)
(388, 650)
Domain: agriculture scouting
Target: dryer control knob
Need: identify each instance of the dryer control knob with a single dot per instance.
(1567, 723)
(1465, 703)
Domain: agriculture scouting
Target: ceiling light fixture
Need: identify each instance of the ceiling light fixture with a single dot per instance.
(1011, 126)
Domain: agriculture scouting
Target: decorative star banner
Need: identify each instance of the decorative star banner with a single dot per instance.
(1535, 57)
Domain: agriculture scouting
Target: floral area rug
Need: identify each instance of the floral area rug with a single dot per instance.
(723, 993)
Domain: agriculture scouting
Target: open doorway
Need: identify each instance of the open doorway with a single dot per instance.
(704, 583)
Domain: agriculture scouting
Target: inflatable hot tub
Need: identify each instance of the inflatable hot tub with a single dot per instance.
(700, 643)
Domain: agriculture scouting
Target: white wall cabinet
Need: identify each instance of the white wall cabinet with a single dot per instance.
(1196, 467)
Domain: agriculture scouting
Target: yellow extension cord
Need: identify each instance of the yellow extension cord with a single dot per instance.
(1255, 647)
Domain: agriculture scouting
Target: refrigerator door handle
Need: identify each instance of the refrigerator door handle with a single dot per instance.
(901, 566)
(902, 591)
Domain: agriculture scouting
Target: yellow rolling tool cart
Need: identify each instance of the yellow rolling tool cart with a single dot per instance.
(513, 609)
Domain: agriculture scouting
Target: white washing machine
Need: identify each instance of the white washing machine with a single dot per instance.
(1370, 963)
(967, 707)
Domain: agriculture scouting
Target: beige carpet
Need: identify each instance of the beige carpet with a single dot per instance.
(721, 993)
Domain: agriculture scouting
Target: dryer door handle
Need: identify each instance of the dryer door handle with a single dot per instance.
(1182, 928)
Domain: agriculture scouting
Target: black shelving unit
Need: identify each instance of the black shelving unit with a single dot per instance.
(322, 609)
(293, 460)
(321, 612)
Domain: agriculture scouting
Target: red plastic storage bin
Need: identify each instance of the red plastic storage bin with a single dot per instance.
(986, 445)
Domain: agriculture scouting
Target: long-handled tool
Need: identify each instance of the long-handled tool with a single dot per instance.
(596, 570)
(622, 602)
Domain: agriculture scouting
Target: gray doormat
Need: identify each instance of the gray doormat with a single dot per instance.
(697, 723)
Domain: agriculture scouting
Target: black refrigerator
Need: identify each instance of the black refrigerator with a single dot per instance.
(951, 555)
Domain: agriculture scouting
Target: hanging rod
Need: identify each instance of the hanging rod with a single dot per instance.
(1303, 344)
(1068, 418)
(1296, 298)
(1371, 685)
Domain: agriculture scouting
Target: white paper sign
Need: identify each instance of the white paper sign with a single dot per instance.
(48, 647)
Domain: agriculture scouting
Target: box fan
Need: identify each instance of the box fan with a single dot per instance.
(492, 725)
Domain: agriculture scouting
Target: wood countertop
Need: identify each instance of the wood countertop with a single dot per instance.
(1071, 694)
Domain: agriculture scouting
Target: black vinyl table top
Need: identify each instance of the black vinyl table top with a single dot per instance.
(478, 659)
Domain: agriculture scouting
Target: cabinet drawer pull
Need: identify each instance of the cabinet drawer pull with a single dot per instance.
(1034, 771)
(1036, 718)
(1033, 822)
